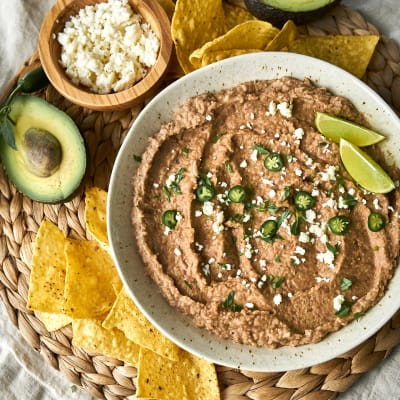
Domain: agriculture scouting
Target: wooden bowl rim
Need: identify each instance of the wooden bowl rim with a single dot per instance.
(111, 101)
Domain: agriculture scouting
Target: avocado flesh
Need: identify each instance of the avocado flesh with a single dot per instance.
(63, 168)
(297, 5)
(300, 12)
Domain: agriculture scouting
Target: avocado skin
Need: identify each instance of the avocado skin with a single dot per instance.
(278, 17)
(34, 112)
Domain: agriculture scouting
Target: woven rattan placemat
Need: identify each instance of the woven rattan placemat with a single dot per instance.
(107, 378)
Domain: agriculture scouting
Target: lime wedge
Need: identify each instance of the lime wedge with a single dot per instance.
(364, 170)
(335, 128)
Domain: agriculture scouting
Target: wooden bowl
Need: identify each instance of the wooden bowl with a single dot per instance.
(50, 50)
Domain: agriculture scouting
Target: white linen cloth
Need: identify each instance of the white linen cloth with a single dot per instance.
(23, 372)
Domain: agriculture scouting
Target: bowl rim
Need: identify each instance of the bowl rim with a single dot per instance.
(172, 323)
(111, 101)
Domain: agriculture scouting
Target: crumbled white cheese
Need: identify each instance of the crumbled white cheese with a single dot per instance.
(243, 164)
(272, 108)
(327, 258)
(198, 213)
(208, 117)
(199, 247)
(300, 250)
(254, 154)
(298, 133)
(249, 305)
(375, 202)
(277, 299)
(329, 174)
(304, 237)
(208, 208)
(107, 47)
(218, 224)
(285, 109)
(338, 301)
(272, 193)
(320, 279)
(177, 252)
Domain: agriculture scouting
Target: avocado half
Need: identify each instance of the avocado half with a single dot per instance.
(277, 12)
(50, 160)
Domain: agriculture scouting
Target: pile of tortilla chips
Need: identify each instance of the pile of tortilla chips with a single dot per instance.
(76, 281)
(205, 31)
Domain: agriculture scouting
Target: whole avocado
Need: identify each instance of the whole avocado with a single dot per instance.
(277, 12)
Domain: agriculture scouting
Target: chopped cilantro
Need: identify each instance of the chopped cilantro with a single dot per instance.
(137, 158)
(167, 193)
(323, 144)
(345, 284)
(344, 310)
(276, 281)
(188, 284)
(277, 259)
(228, 167)
(229, 303)
(286, 193)
(359, 315)
(217, 137)
(333, 248)
(349, 200)
(185, 151)
(260, 149)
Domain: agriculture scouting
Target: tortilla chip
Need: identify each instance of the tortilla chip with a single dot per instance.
(91, 336)
(352, 53)
(53, 322)
(95, 214)
(194, 23)
(90, 279)
(189, 378)
(246, 36)
(125, 316)
(235, 15)
(213, 57)
(46, 287)
(282, 40)
(168, 6)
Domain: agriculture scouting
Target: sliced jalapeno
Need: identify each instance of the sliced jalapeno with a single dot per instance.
(269, 228)
(169, 218)
(237, 194)
(303, 201)
(339, 225)
(273, 162)
(204, 193)
(376, 222)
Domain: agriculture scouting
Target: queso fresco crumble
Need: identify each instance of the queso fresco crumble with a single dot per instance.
(107, 47)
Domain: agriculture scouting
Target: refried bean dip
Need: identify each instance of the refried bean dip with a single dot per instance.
(248, 222)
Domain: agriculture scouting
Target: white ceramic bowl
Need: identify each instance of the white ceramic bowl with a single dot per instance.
(145, 293)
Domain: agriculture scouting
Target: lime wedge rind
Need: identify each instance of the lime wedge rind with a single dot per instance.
(336, 128)
(364, 170)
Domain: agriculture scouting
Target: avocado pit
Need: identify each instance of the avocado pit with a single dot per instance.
(41, 151)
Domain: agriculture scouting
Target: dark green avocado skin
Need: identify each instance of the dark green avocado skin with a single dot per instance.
(278, 17)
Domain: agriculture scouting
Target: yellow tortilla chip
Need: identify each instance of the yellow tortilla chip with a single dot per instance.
(282, 40)
(189, 378)
(46, 287)
(352, 53)
(53, 322)
(168, 6)
(91, 336)
(95, 214)
(235, 15)
(212, 57)
(194, 23)
(90, 279)
(125, 316)
(246, 36)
